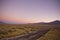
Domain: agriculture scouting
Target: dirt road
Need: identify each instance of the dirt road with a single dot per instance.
(30, 36)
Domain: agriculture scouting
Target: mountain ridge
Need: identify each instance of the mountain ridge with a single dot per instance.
(52, 22)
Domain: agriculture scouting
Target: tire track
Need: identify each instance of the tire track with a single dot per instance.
(30, 36)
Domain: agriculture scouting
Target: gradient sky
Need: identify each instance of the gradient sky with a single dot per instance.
(30, 11)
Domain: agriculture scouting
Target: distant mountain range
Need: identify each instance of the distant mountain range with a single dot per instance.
(53, 22)
(2, 23)
(11, 22)
(56, 22)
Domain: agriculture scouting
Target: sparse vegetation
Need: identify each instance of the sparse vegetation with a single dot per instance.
(11, 30)
(53, 34)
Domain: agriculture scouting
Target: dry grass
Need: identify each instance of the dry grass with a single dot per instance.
(11, 30)
(53, 34)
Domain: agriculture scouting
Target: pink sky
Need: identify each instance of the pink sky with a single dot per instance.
(29, 11)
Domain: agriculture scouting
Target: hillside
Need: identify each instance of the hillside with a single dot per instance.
(57, 22)
(2, 23)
